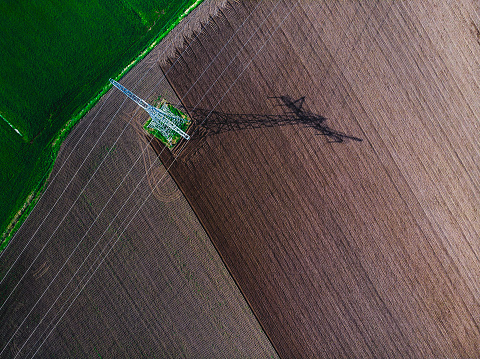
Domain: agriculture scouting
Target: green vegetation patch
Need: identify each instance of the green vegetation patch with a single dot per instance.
(174, 137)
(56, 59)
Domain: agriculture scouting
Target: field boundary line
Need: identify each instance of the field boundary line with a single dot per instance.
(94, 101)
(119, 236)
(91, 177)
(75, 119)
(121, 182)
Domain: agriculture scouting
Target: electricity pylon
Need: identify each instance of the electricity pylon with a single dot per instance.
(163, 119)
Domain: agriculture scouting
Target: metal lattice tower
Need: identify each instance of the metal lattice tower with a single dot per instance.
(163, 119)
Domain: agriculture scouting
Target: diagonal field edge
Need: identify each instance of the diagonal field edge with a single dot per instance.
(111, 247)
(46, 175)
(72, 207)
(112, 197)
(72, 177)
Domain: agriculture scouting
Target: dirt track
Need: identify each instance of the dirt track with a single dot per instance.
(343, 249)
(162, 291)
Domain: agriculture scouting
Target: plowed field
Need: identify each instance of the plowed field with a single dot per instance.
(343, 248)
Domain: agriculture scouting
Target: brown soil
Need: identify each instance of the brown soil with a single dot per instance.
(347, 248)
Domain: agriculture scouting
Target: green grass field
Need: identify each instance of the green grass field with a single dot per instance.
(56, 56)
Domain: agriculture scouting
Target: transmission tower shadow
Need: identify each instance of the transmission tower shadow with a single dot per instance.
(211, 123)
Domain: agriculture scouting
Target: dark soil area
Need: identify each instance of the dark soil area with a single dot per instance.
(337, 171)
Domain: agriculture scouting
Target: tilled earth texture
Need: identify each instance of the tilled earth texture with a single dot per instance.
(335, 165)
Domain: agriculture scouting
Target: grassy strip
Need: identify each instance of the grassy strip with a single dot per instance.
(43, 164)
(24, 212)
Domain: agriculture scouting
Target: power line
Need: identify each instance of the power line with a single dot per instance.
(119, 236)
(104, 206)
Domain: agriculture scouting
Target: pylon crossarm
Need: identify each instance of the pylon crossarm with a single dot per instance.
(161, 118)
(130, 94)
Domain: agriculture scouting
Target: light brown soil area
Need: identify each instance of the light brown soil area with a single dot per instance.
(160, 290)
(343, 249)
